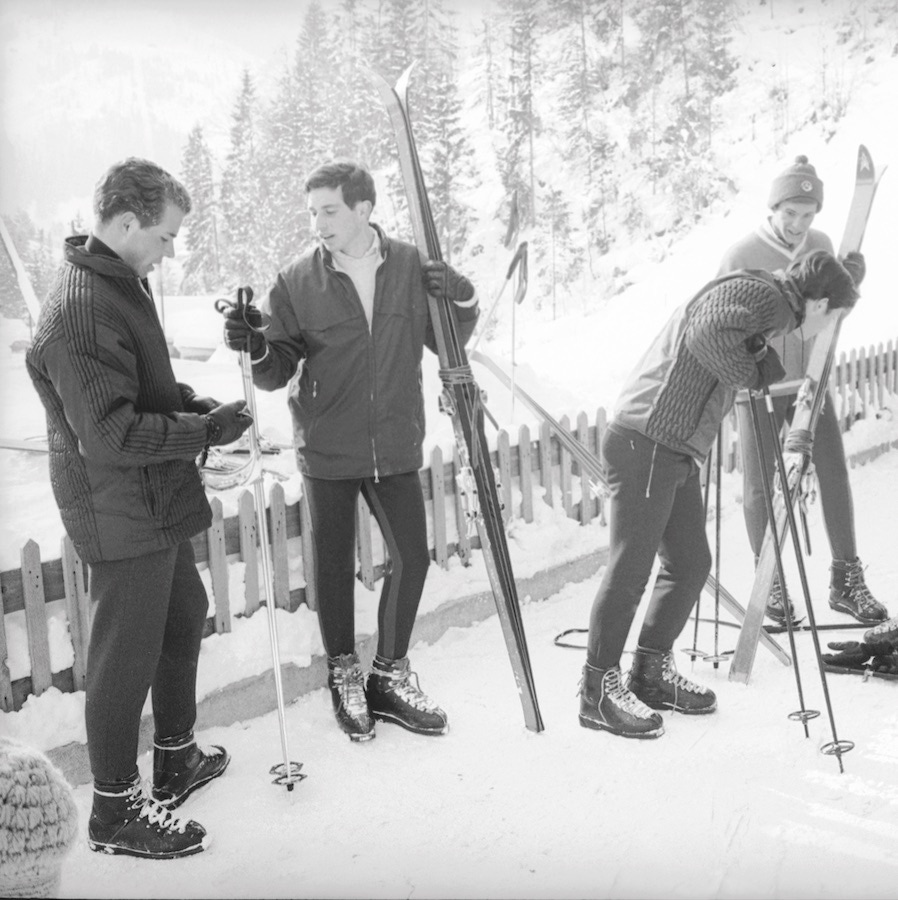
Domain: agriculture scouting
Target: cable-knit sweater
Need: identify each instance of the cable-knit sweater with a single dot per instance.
(122, 448)
(765, 249)
(687, 380)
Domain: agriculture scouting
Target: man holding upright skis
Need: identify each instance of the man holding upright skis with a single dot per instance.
(351, 316)
(786, 235)
(664, 425)
(124, 437)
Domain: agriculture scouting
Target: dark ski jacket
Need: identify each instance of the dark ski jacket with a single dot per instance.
(122, 447)
(355, 393)
(687, 380)
(763, 249)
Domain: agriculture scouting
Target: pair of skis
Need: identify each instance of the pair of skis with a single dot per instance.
(462, 400)
(799, 441)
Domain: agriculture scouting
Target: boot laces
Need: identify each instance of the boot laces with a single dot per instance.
(778, 599)
(350, 681)
(856, 588)
(154, 812)
(622, 697)
(680, 682)
(399, 680)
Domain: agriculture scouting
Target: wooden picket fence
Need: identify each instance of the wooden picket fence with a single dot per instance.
(536, 469)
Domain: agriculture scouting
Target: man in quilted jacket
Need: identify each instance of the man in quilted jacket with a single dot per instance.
(124, 436)
(665, 423)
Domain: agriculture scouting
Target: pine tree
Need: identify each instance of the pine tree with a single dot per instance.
(241, 188)
(201, 269)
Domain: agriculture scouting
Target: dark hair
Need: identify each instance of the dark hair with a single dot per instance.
(356, 182)
(141, 187)
(819, 275)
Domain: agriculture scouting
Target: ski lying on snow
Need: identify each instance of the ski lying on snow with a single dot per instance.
(593, 466)
(808, 404)
(462, 400)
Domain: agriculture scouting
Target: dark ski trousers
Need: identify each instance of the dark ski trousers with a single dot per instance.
(397, 503)
(656, 508)
(828, 456)
(146, 633)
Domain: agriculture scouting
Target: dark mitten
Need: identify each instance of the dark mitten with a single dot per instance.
(886, 664)
(193, 403)
(770, 369)
(241, 330)
(851, 655)
(227, 422)
(445, 283)
(856, 265)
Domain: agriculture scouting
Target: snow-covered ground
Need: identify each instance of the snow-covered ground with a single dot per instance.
(735, 805)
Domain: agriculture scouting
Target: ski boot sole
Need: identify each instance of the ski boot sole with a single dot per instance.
(395, 720)
(586, 722)
(117, 850)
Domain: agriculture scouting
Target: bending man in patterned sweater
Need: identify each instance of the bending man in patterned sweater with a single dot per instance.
(665, 423)
(796, 197)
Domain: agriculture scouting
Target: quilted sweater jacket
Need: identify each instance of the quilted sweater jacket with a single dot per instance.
(687, 380)
(354, 391)
(763, 249)
(122, 449)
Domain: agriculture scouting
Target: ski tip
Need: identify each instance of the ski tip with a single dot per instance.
(864, 162)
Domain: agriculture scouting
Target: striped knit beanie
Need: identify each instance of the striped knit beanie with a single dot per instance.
(799, 181)
(38, 822)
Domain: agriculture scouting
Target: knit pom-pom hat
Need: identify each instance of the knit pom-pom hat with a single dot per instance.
(799, 181)
(38, 822)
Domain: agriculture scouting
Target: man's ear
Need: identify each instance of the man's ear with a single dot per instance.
(128, 222)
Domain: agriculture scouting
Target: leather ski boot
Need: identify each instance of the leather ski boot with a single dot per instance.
(124, 820)
(654, 679)
(393, 697)
(181, 767)
(848, 593)
(606, 705)
(884, 631)
(346, 681)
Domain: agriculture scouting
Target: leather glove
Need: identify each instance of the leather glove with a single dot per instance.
(857, 655)
(856, 265)
(226, 423)
(238, 330)
(193, 403)
(444, 283)
(770, 369)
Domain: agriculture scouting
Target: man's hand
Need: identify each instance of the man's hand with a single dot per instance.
(227, 422)
(444, 283)
(856, 265)
(241, 330)
(194, 404)
(770, 369)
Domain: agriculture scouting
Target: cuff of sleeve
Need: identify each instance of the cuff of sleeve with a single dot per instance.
(467, 304)
(255, 361)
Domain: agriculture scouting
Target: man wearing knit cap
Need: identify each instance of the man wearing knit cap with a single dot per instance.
(786, 235)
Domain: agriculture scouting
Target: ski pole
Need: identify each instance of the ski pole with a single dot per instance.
(835, 747)
(803, 714)
(515, 260)
(718, 657)
(519, 295)
(693, 652)
(286, 773)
